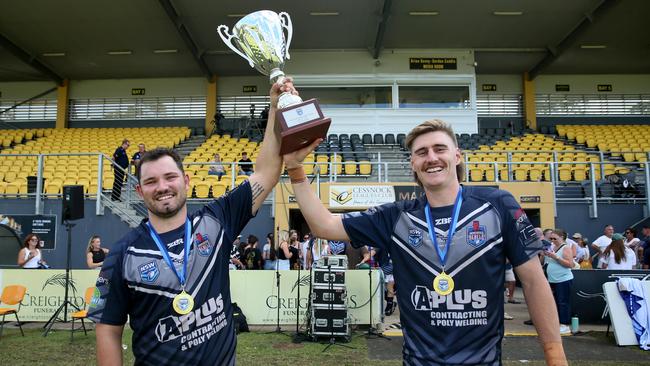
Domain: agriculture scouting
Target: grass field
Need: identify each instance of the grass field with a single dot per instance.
(255, 349)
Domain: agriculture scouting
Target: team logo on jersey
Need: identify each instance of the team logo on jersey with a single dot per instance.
(149, 272)
(476, 234)
(415, 237)
(203, 245)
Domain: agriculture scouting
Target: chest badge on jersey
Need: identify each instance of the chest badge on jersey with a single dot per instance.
(202, 244)
(415, 237)
(149, 272)
(476, 234)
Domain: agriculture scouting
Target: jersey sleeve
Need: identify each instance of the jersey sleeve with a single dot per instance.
(234, 209)
(109, 304)
(520, 240)
(371, 227)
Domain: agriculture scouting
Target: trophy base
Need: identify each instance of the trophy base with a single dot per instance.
(301, 124)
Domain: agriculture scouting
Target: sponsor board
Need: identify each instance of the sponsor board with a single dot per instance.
(360, 195)
(254, 291)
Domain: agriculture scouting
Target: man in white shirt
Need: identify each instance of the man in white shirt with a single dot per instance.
(602, 242)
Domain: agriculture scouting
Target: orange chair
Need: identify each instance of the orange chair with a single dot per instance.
(12, 295)
(82, 314)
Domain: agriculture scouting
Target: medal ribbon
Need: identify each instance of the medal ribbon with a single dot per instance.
(442, 254)
(165, 253)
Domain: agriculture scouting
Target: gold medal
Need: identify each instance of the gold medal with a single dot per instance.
(443, 284)
(183, 303)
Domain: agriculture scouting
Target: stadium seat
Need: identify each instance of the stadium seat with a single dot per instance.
(378, 139)
(12, 295)
(365, 168)
(219, 189)
(82, 314)
(202, 190)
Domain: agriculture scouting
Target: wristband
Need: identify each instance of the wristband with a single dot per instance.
(554, 354)
(297, 175)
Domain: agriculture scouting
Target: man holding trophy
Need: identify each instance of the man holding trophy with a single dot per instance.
(169, 276)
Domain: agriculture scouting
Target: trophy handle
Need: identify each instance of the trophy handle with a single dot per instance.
(285, 20)
(222, 30)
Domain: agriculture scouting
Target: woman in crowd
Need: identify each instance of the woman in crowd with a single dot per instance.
(95, 254)
(284, 254)
(217, 169)
(268, 253)
(582, 252)
(30, 256)
(634, 243)
(617, 256)
(294, 248)
(560, 277)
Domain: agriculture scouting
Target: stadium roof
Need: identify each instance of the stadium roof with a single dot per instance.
(51, 40)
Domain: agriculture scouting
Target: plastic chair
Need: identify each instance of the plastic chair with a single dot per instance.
(82, 314)
(12, 295)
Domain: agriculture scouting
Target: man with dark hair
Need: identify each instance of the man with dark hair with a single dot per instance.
(245, 164)
(169, 275)
(119, 169)
(252, 255)
(448, 249)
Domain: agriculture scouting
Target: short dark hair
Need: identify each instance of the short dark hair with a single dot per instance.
(157, 153)
(632, 230)
(252, 239)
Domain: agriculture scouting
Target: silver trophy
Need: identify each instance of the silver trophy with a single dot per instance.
(260, 39)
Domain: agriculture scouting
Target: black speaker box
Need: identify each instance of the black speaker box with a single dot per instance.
(73, 202)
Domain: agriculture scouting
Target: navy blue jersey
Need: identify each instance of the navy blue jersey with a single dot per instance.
(136, 281)
(466, 326)
(120, 157)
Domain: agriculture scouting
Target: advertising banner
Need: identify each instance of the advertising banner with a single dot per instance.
(46, 290)
(360, 196)
(254, 291)
(42, 225)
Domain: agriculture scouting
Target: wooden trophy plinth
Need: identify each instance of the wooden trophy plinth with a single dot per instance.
(301, 124)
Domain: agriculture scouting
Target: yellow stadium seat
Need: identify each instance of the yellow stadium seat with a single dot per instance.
(240, 179)
(535, 174)
(202, 190)
(503, 175)
(219, 189)
(579, 173)
(489, 175)
(476, 175)
(521, 174)
(564, 174)
(12, 188)
(10, 176)
(365, 168)
(53, 187)
(350, 167)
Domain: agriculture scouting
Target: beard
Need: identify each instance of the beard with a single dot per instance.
(166, 211)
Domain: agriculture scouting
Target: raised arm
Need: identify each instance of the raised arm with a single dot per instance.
(268, 166)
(542, 310)
(322, 223)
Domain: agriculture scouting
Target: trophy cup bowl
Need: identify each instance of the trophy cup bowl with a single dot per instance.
(260, 39)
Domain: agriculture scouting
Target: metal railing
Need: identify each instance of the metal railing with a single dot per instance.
(499, 105)
(592, 104)
(589, 182)
(137, 108)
